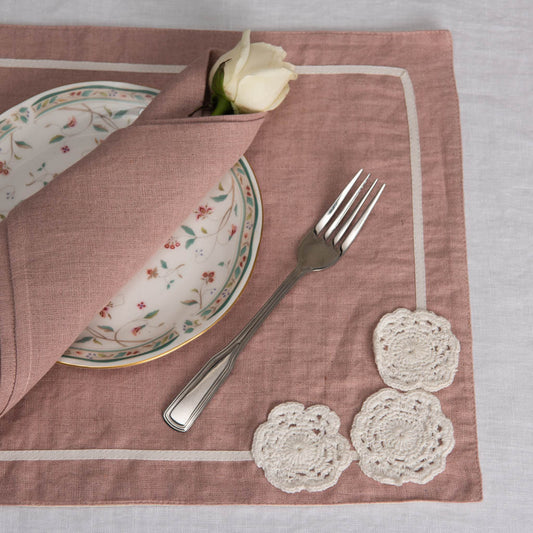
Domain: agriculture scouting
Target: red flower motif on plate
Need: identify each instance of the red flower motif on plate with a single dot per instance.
(203, 211)
(104, 313)
(172, 243)
(152, 273)
(208, 277)
(71, 123)
(4, 169)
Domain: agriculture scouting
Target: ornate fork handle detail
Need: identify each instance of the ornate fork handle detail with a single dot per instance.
(320, 248)
(188, 405)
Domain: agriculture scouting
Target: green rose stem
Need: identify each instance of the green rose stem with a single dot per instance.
(222, 107)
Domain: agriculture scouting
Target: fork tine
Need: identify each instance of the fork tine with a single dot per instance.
(358, 207)
(321, 224)
(359, 224)
(345, 209)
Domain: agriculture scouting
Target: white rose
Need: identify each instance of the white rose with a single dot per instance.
(251, 77)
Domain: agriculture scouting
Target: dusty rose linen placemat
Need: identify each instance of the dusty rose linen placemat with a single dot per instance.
(383, 101)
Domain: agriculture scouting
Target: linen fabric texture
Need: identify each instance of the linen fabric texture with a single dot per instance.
(316, 347)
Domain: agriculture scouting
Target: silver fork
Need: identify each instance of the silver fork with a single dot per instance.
(321, 248)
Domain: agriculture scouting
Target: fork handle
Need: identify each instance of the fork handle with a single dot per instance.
(191, 401)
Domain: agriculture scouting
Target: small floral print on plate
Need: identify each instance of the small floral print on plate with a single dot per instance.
(192, 281)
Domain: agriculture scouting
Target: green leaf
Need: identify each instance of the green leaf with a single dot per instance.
(188, 323)
(189, 330)
(221, 264)
(22, 144)
(220, 198)
(189, 302)
(189, 243)
(152, 314)
(56, 139)
(106, 328)
(120, 113)
(23, 118)
(188, 230)
(164, 264)
(243, 249)
(249, 200)
(235, 210)
(85, 339)
(99, 127)
(217, 84)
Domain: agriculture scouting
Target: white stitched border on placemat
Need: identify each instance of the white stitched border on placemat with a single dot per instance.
(115, 454)
(418, 239)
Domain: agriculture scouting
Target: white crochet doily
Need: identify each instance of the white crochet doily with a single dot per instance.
(402, 437)
(301, 449)
(415, 349)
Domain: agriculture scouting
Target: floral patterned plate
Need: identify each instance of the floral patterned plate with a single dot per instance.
(192, 281)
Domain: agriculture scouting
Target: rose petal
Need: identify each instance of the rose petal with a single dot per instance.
(234, 60)
(260, 91)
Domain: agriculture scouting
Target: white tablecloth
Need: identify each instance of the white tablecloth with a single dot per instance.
(493, 64)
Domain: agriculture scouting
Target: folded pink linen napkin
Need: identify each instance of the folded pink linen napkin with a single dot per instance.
(62, 251)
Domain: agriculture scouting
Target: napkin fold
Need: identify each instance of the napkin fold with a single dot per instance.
(65, 251)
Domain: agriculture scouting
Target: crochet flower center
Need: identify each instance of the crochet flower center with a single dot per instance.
(417, 349)
(300, 450)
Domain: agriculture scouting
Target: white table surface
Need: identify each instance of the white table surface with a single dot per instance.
(493, 64)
